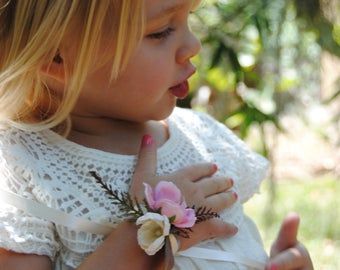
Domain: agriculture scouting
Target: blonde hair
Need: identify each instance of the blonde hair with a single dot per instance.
(31, 32)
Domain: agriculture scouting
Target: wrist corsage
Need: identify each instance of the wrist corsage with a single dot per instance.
(161, 216)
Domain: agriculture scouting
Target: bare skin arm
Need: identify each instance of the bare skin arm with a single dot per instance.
(17, 261)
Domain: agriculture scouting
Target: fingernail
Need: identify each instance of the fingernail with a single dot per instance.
(235, 195)
(231, 181)
(147, 140)
(272, 266)
(234, 230)
(215, 168)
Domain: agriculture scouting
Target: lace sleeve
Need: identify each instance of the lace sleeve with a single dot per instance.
(251, 168)
(20, 232)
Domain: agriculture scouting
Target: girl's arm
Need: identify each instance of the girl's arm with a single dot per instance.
(16, 261)
(121, 250)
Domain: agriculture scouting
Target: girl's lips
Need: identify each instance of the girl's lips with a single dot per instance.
(181, 90)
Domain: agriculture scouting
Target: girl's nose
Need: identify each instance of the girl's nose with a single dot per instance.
(190, 47)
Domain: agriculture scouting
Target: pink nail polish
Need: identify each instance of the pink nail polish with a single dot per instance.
(147, 140)
(273, 266)
(234, 230)
(235, 195)
(215, 168)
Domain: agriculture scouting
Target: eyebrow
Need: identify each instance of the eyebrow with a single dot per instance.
(166, 10)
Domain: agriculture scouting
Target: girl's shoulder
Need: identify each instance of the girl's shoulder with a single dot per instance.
(224, 147)
(12, 138)
(207, 128)
(22, 148)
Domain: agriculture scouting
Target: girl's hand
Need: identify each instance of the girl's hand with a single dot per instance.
(286, 252)
(196, 182)
(197, 186)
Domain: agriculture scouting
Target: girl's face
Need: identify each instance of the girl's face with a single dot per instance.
(145, 90)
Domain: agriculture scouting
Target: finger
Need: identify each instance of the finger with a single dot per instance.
(145, 170)
(292, 258)
(213, 228)
(213, 185)
(221, 201)
(195, 172)
(287, 236)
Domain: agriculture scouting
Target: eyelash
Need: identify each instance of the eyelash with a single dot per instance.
(162, 35)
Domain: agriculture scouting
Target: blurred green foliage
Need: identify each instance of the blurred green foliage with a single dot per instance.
(259, 58)
(258, 55)
(317, 202)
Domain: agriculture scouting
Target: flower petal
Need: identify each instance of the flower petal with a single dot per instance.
(152, 216)
(151, 235)
(187, 221)
(149, 195)
(170, 209)
(155, 246)
(167, 190)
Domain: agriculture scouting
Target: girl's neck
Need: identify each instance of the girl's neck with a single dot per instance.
(116, 136)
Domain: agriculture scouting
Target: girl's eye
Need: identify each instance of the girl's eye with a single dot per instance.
(161, 35)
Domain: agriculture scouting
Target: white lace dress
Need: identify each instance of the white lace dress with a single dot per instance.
(47, 168)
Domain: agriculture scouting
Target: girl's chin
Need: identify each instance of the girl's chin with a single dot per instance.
(161, 116)
(158, 114)
(165, 113)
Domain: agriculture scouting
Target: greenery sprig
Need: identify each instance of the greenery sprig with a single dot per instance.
(133, 209)
(203, 214)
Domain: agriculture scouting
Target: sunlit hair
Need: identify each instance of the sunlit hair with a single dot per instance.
(32, 31)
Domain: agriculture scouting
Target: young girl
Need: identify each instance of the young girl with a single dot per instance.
(81, 82)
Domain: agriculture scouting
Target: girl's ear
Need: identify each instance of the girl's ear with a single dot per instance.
(55, 70)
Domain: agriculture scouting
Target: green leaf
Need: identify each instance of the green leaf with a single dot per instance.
(172, 219)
